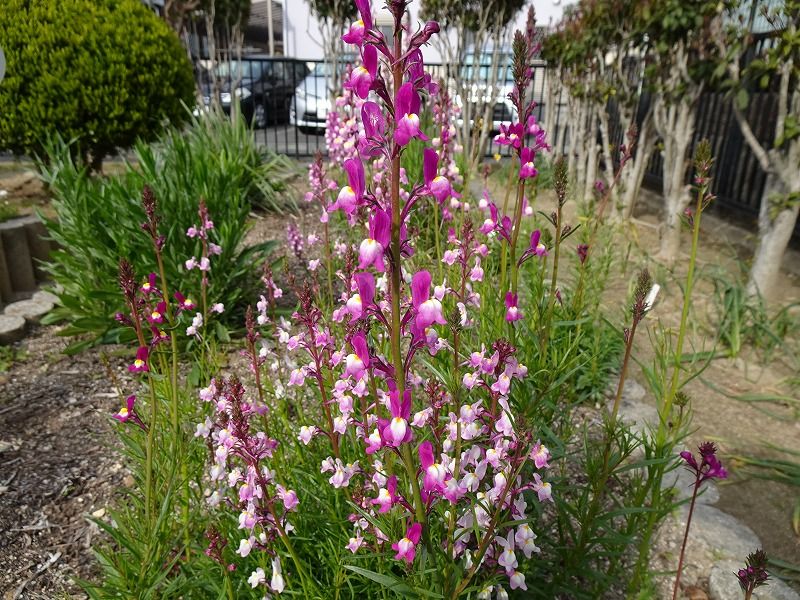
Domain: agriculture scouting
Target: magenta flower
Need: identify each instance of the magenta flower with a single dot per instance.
(510, 135)
(398, 431)
(536, 248)
(183, 302)
(140, 362)
(526, 168)
(370, 253)
(406, 115)
(436, 185)
(358, 29)
(372, 144)
(149, 286)
(709, 466)
(357, 362)
(128, 413)
(428, 310)
(512, 312)
(361, 77)
(434, 473)
(366, 289)
(583, 252)
(157, 314)
(406, 547)
(350, 195)
(387, 496)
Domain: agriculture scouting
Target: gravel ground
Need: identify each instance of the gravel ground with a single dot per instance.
(56, 468)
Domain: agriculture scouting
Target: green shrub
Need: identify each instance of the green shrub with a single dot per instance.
(105, 72)
(98, 219)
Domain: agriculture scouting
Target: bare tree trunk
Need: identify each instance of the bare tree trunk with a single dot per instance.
(633, 175)
(591, 150)
(777, 218)
(677, 137)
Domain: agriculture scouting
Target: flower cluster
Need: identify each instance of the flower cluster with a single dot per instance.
(755, 572)
(428, 460)
(242, 476)
(708, 467)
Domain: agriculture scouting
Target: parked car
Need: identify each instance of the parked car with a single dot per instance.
(309, 111)
(262, 84)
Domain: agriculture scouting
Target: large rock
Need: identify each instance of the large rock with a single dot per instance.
(723, 584)
(6, 293)
(720, 531)
(30, 310)
(12, 328)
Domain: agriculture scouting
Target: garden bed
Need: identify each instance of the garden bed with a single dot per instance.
(59, 467)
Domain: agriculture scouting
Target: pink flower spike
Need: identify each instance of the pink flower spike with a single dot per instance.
(542, 488)
(140, 363)
(406, 547)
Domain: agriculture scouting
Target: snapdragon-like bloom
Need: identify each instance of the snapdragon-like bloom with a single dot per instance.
(370, 253)
(510, 135)
(350, 195)
(387, 496)
(140, 362)
(358, 361)
(128, 413)
(362, 76)
(436, 185)
(512, 311)
(709, 466)
(406, 116)
(406, 547)
(358, 29)
(428, 310)
(434, 473)
(526, 168)
(398, 430)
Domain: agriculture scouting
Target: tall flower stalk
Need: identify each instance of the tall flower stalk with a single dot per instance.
(664, 434)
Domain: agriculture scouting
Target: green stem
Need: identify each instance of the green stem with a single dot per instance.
(663, 448)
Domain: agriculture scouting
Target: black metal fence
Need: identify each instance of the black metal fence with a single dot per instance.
(287, 100)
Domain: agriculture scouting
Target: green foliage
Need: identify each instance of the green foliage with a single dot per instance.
(10, 355)
(7, 211)
(468, 14)
(104, 72)
(743, 320)
(98, 219)
(339, 12)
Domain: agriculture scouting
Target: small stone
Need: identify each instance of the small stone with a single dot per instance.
(128, 481)
(12, 328)
(723, 584)
(695, 593)
(633, 391)
(30, 310)
(45, 296)
(99, 513)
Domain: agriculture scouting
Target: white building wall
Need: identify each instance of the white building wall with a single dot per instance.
(303, 38)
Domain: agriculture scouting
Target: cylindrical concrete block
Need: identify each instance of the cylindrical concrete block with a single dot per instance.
(38, 245)
(18, 256)
(6, 293)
